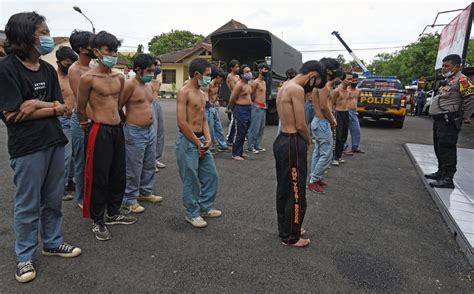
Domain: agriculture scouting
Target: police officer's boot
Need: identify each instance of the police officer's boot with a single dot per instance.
(434, 176)
(443, 183)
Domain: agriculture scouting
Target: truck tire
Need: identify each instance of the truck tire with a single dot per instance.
(398, 122)
(272, 115)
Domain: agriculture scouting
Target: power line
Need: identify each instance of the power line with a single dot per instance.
(342, 50)
(358, 43)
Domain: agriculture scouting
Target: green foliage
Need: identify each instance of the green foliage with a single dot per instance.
(414, 61)
(173, 41)
(347, 64)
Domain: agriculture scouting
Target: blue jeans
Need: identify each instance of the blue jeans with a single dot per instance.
(199, 177)
(78, 156)
(242, 116)
(308, 111)
(215, 127)
(322, 153)
(140, 148)
(354, 129)
(257, 125)
(66, 126)
(39, 180)
(158, 124)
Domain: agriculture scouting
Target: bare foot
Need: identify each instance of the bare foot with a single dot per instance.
(302, 232)
(300, 244)
(238, 158)
(245, 156)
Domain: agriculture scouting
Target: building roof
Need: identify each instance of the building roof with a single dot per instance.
(230, 25)
(178, 56)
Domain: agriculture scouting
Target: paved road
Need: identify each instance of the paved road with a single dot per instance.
(376, 229)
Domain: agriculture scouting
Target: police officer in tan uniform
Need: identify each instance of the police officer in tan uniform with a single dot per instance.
(448, 109)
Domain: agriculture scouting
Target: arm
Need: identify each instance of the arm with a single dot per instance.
(181, 103)
(43, 112)
(335, 96)
(207, 133)
(74, 77)
(254, 87)
(322, 95)
(297, 99)
(235, 94)
(85, 87)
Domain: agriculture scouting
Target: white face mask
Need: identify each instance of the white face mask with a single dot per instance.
(447, 74)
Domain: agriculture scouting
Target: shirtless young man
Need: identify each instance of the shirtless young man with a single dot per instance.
(195, 163)
(79, 41)
(290, 150)
(232, 79)
(259, 109)
(65, 57)
(354, 126)
(341, 102)
(212, 111)
(140, 136)
(241, 104)
(104, 182)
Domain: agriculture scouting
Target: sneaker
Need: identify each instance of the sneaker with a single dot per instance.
(223, 149)
(341, 160)
(197, 222)
(63, 250)
(67, 197)
(253, 150)
(160, 164)
(120, 219)
(335, 162)
(156, 169)
(315, 187)
(101, 232)
(213, 151)
(25, 271)
(322, 183)
(259, 149)
(150, 198)
(212, 213)
(135, 208)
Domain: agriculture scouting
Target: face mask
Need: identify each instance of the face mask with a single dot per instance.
(354, 85)
(448, 74)
(206, 80)
(307, 87)
(247, 76)
(146, 78)
(109, 61)
(264, 74)
(63, 68)
(157, 70)
(46, 45)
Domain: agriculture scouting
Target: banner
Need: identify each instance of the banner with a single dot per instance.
(453, 36)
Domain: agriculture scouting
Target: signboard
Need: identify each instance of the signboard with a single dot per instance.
(455, 36)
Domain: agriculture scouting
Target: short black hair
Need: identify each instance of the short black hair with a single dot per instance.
(80, 39)
(313, 65)
(244, 66)
(453, 58)
(233, 63)
(143, 61)
(198, 65)
(330, 63)
(290, 71)
(104, 38)
(217, 72)
(263, 65)
(64, 53)
(355, 75)
(20, 32)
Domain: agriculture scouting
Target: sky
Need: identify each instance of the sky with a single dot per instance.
(368, 27)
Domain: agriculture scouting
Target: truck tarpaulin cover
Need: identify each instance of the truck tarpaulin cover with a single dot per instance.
(453, 36)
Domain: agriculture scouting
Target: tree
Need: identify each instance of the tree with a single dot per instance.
(173, 41)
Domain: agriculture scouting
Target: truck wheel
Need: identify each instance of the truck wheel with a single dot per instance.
(272, 116)
(398, 122)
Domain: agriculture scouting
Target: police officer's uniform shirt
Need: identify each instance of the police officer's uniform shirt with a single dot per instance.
(459, 90)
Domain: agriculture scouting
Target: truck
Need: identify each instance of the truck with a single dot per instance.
(382, 97)
(251, 47)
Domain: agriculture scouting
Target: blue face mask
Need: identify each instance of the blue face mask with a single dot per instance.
(46, 45)
(109, 61)
(158, 70)
(206, 80)
(248, 76)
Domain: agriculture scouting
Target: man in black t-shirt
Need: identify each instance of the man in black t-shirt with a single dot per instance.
(30, 101)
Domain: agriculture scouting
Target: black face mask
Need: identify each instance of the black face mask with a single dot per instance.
(63, 68)
(307, 87)
(264, 74)
(354, 85)
(91, 54)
